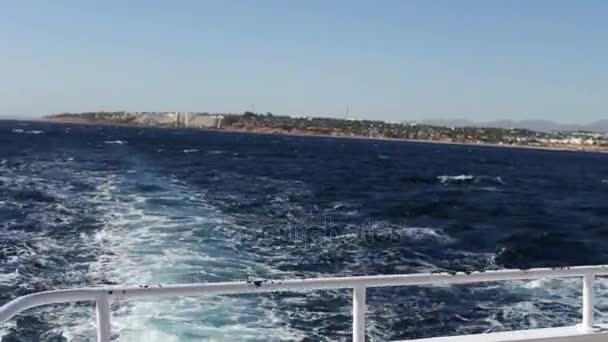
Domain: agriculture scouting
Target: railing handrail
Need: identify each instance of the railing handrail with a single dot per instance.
(104, 295)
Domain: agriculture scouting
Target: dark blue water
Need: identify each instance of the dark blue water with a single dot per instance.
(88, 205)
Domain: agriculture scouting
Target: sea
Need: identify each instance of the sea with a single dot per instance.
(84, 205)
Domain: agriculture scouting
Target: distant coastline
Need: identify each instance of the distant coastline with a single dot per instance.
(342, 128)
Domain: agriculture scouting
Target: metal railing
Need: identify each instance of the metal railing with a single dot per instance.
(103, 296)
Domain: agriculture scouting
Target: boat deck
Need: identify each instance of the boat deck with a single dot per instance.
(561, 334)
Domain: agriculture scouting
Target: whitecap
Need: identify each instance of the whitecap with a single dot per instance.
(460, 178)
(418, 234)
(115, 142)
(426, 233)
(20, 131)
(445, 179)
(190, 150)
(8, 278)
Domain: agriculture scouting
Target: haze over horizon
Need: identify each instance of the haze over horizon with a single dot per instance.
(393, 60)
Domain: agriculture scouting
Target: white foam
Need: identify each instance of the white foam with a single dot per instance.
(9, 278)
(40, 247)
(148, 243)
(116, 142)
(5, 327)
(427, 233)
(563, 294)
(21, 131)
(446, 179)
(190, 150)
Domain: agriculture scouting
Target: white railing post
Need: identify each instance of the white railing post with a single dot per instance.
(588, 280)
(359, 309)
(103, 317)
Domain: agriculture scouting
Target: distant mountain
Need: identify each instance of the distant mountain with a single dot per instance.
(19, 117)
(448, 122)
(600, 126)
(534, 125)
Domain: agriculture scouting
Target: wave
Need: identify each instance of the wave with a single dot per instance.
(541, 303)
(463, 179)
(190, 150)
(42, 227)
(460, 178)
(36, 195)
(116, 142)
(427, 233)
(21, 131)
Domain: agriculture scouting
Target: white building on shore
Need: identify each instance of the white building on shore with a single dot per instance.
(205, 121)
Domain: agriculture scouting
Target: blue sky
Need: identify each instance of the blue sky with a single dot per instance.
(392, 60)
